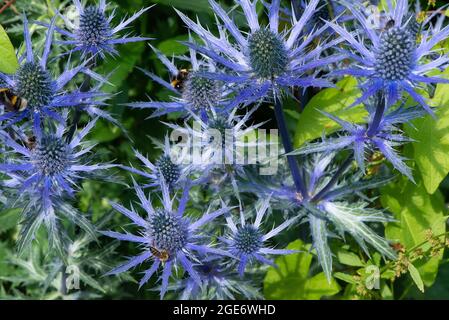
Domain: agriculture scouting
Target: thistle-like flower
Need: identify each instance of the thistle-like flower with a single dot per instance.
(93, 34)
(43, 94)
(248, 241)
(167, 237)
(167, 167)
(382, 133)
(265, 58)
(44, 174)
(220, 147)
(327, 206)
(393, 59)
(191, 91)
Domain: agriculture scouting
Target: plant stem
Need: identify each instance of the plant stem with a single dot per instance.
(378, 116)
(288, 147)
(334, 179)
(7, 5)
(63, 288)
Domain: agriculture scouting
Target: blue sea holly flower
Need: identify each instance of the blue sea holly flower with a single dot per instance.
(247, 241)
(329, 207)
(190, 91)
(264, 58)
(168, 238)
(93, 33)
(394, 60)
(220, 147)
(382, 133)
(43, 94)
(167, 167)
(46, 173)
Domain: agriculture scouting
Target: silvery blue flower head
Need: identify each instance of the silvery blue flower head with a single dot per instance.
(43, 94)
(265, 58)
(247, 241)
(168, 238)
(190, 91)
(393, 59)
(47, 172)
(217, 144)
(93, 33)
(50, 165)
(328, 208)
(382, 133)
(167, 167)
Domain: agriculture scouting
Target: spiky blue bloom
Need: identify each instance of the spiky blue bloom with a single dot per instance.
(45, 174)
(44, 94)
(329, 207)
(197, 94)
(265, 58)
(382, 133)
(395, 60)
(247, 241)
(93, 34)
(167, 167)
(218, 282)
(217, 148)
(166, 229)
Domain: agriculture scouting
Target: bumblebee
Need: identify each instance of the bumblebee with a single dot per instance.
(162, 255)
(31, 142)
(179, 80)
(12, 102)
(389, 25)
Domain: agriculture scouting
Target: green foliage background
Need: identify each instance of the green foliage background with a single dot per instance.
(418, 207)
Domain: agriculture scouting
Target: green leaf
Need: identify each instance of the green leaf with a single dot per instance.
(414, 273)
(9, 219)
(416, 212)
(349, 259)
(336, 101)
(291, 280)
(8, 60)
(345, 277)
(196, 5)
(440, 290)
(432, 140)
(121, 66)
(105, 132)
(385, 292)
(172, 46)
(5, 267)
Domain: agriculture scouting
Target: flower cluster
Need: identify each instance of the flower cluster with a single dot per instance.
(201, 221)
(46, 159)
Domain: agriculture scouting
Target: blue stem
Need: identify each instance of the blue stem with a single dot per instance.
(334, 179)
(288, 147)
(378, 116)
